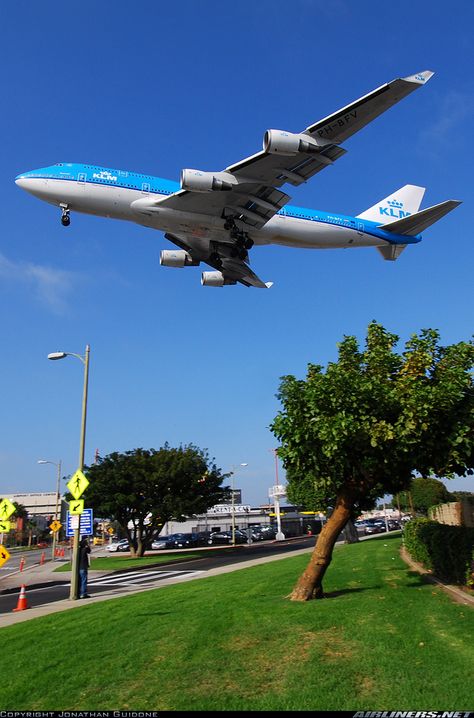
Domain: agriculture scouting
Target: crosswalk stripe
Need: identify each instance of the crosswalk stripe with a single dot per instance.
(135, 579)
(130, 580)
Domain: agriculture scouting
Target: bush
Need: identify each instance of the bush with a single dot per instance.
(445, 550)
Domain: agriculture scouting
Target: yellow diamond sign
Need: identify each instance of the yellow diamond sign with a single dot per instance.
(76, 507)
(4, 555)
(77, 485)
(5, 527)
(55, 525)
(6, 509)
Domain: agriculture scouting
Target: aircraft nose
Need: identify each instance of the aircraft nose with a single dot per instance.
(21, 181)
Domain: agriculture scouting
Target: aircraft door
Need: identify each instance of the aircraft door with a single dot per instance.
(360, 228)
(81, 177)
(145, 188)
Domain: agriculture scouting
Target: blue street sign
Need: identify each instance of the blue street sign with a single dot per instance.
(86, 525)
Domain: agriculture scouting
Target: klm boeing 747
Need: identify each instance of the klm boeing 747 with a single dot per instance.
(217, 217)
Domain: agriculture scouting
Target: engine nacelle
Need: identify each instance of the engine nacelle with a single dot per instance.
(177, 258)
(279, 142)
(215, 279)
(197, 181)
(212, 279)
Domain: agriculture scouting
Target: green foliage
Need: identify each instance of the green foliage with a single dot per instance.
(149, 487)
(424, 494)
(374, 417)
(445, 550)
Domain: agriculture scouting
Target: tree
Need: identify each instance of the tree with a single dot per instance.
(144, 488)
(362, 428)
(424, 494)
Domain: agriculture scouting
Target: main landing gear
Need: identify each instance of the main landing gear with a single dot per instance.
(65, 218)
(242, 241)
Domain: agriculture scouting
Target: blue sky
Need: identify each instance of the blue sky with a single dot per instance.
(155, 87)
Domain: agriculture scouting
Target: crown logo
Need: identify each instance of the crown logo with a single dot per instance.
(395, 203)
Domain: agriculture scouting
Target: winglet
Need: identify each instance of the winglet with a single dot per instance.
(268, 284)
(420, 78)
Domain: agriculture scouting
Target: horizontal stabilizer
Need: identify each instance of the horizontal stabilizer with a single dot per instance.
(416, 223)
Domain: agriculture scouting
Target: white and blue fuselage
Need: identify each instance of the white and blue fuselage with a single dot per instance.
(120, 194)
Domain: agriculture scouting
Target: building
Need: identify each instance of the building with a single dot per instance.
(40, 505)
(220, 518)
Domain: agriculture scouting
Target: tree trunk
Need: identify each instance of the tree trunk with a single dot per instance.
(310, 583)
(350, 532)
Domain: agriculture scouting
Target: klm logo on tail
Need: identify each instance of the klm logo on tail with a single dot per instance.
(394, 210)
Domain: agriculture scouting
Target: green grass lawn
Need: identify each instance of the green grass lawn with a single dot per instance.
(114, 563)
(382, 639)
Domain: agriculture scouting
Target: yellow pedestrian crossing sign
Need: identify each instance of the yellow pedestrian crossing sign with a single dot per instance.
(6, 509)
(77, 484)
(4, 555)
(55, 525)
(5, 527)
(76, 507)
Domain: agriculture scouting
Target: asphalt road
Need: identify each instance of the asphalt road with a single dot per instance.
(31, 557)
(126, 580)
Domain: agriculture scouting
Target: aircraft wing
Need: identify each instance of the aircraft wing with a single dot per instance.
(255, 197)
(233, 269)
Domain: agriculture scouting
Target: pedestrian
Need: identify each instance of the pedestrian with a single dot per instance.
(84, 563)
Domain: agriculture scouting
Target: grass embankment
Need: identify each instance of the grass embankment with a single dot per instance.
(381, 640)
(115, 563)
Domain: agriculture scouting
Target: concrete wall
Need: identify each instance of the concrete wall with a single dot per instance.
(454, 513)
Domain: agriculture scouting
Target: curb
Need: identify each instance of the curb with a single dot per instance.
(457, 594)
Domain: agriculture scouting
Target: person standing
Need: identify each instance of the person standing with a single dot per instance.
(84, 562)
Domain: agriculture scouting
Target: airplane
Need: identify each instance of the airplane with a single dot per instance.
(217, 217)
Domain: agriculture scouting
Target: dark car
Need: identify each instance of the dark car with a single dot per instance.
(266, 533)
(179, 540)
(225, 537)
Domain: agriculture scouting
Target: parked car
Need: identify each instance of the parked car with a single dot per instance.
(225, 537)
(179, 540)
(122, 545)
(265, 533)
(372, 528)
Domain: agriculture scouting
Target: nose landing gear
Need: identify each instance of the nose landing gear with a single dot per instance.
(65, 218)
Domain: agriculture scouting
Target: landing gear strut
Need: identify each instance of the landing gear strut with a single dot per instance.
(242, 240)
(65, 218)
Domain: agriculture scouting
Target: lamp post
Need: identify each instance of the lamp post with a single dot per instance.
(74, 594)
(276, 493)
(55, 533)
(233, 470)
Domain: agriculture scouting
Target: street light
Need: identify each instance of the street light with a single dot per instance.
(276, 493)
(55, 533)
(232, 472)
(74, 594)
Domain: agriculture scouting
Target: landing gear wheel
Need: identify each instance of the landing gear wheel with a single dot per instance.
(248, 244)
(65, 218)
(215, 260)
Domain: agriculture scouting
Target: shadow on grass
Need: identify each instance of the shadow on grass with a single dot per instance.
(343, 591)
(150, 614)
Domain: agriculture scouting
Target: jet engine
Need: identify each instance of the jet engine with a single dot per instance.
(279, 142)
(177, 258)
(197, 181)
(214, 279)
